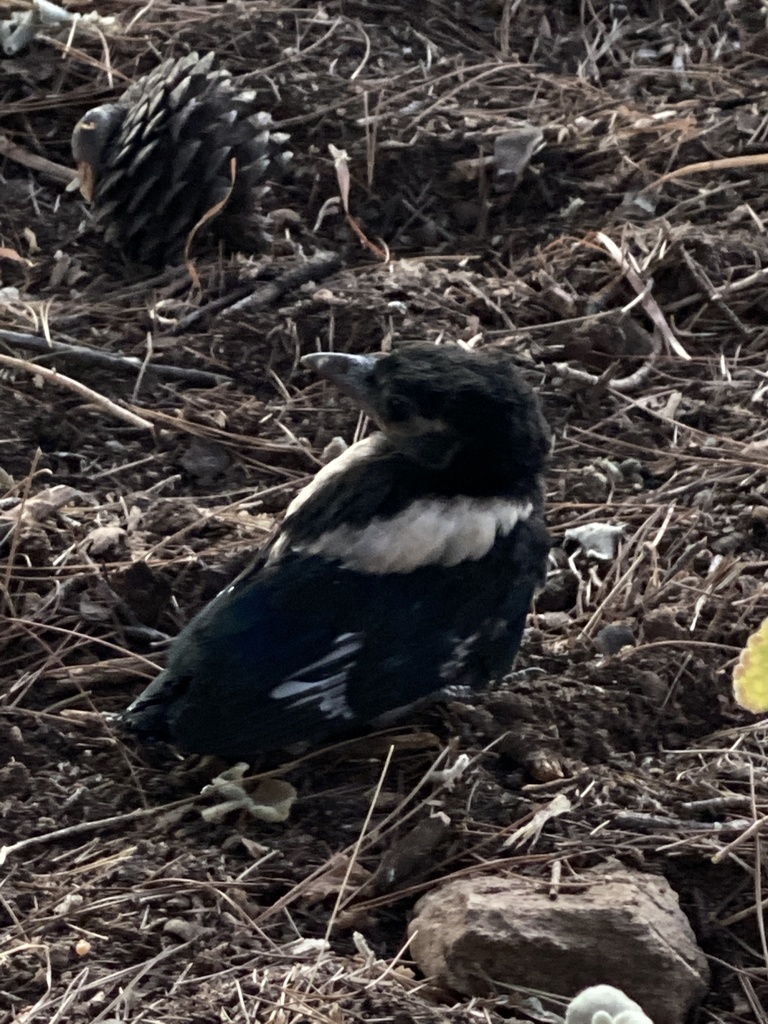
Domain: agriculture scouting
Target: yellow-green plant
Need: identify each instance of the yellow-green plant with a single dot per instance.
(750, 677)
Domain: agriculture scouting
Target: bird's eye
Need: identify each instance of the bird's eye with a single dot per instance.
(398, 409)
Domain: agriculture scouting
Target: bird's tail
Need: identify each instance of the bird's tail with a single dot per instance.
(147, 716)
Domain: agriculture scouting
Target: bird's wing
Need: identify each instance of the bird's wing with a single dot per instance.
(306, 648)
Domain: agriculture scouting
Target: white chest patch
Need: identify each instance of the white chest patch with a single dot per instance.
(431, 531)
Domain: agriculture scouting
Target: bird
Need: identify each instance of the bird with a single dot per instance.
(406, 566)
(182, 146)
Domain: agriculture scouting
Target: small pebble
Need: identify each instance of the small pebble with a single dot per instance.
(652, 686)
(611, 639)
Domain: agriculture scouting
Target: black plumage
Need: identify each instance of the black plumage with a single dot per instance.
(406, 566)
(183, 144)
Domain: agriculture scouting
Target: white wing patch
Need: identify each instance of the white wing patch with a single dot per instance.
(323, 684)
(430, 531)
(452, 669)
(357, 452)
(364, 449)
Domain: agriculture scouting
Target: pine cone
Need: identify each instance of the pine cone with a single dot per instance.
(181, 143)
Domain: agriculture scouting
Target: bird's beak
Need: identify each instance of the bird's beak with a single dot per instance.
(351, 374)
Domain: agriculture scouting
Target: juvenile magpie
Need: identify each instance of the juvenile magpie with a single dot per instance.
(407, 565)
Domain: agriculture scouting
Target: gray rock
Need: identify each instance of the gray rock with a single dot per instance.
(623, 928)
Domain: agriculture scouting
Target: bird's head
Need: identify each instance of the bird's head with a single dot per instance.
(91, 139)
(444, 406)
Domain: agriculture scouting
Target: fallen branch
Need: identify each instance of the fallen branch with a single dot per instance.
(631, 271)
(625, 385)
(23, 156)
(101, 401)
(725, 164)
(37, 343)
(84, 827)
(260, 294)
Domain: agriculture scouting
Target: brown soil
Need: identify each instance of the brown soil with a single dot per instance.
(121, 901)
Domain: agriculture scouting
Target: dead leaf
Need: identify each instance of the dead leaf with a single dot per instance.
(330, 882)
(413, 856)
(513, 150)
(31, 240)
(97, 606)
(42, 505)
(11, 254)
(530, 832)
(105, 538)
(208, 216)
(597, 540)
(341, 166)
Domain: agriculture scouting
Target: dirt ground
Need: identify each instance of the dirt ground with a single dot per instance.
(636, 306)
